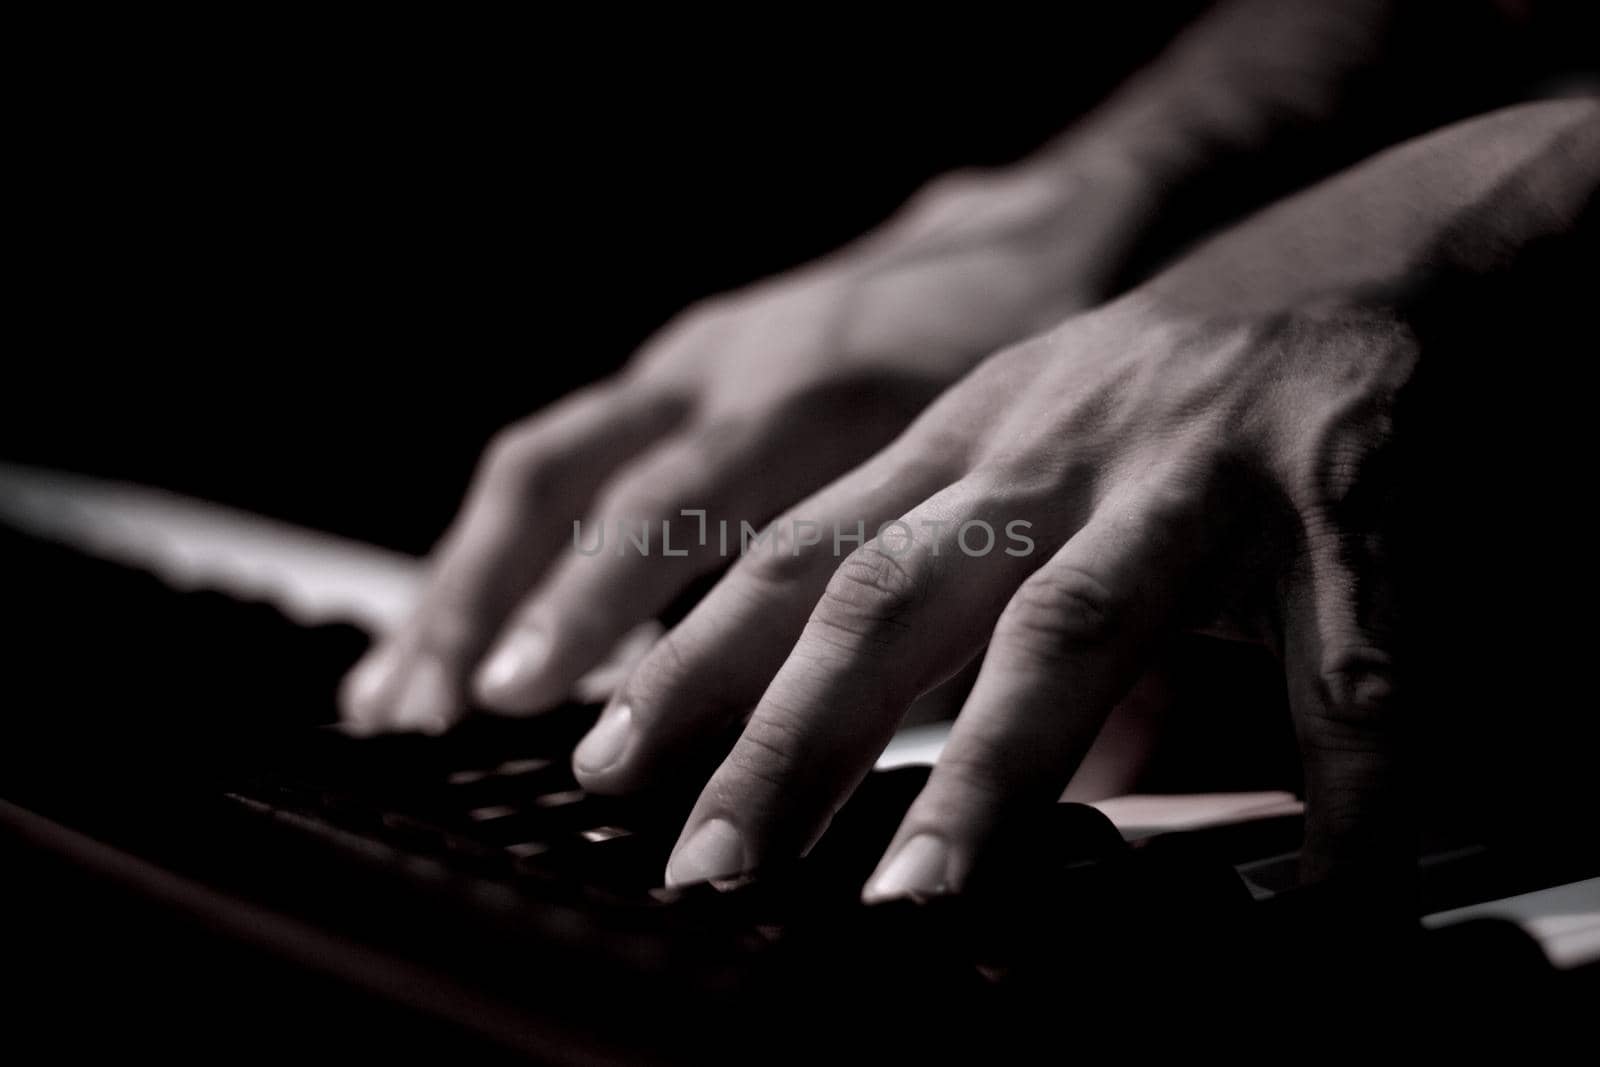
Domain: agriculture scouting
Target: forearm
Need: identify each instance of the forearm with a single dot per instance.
(1254, 71)
(1254, 99)
(980, 259)
(1466, 201)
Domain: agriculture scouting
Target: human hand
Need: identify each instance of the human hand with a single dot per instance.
(1217, 450)
(1228, 475)
(740, 407)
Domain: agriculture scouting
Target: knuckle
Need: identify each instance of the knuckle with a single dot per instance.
(701, 325)
(511, 462)
(1347, 474)
(707, 314)
(663, 670)
(1356, 687)
(1058, 610)
(1176, 505)
(871, 591)
(1347, 459)
(973, 771)
(947, 189)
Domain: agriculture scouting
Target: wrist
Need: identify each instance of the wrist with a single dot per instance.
(1068, 215)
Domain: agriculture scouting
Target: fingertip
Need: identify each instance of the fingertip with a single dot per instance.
(716, 849)
(357, 728)
(919, 868)
(603, 750)
(361, 692)
(426, 701)
(514, 676)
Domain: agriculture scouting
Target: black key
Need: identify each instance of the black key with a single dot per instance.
(521, 785)
(481, 741)
(848, 853)
(1036, 847)
(542, 818)
(608, 858)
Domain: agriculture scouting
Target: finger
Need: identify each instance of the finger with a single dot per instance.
(893, 621)
(1067, 648)
(640, 552)
(505, 535)
(1339, 657)
(712, 668)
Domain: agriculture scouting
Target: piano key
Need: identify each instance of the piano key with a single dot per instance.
(625, 864)
(1564, 920)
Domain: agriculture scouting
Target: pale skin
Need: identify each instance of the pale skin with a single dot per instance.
(1198, 453)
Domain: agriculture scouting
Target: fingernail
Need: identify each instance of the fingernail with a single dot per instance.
(714, 851)
(425, 701)
(512, 665)
(602, 747)
(917, 870)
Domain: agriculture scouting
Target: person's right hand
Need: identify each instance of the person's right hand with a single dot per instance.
(739, 408)
(1221, 449)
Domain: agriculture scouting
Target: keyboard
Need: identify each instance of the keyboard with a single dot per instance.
(201, 740)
